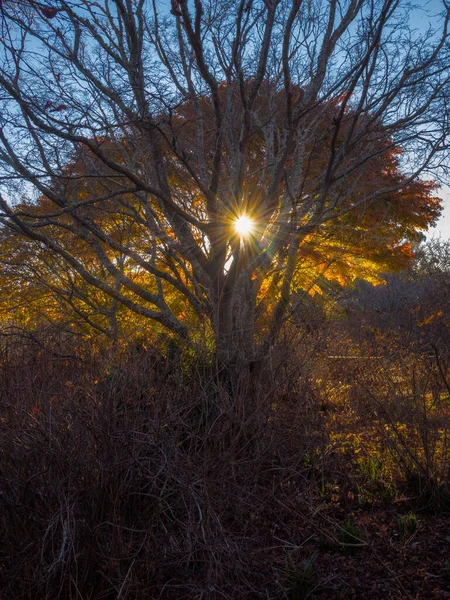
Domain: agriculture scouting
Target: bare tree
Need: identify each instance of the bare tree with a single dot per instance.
(279, 111)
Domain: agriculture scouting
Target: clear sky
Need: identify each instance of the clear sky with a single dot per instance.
(419, 20)
(442, 229)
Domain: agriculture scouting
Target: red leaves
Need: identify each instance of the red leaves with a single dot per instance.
(49, 106)
(49, 12)
(59, 107)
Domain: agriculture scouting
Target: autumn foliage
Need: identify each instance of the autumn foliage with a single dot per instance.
(187, 409)
(370, 238)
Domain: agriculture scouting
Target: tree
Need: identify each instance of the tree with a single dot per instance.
(410, 313)
(282, 112)
(39, 287)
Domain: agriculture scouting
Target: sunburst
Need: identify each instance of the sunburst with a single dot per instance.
(244, 226)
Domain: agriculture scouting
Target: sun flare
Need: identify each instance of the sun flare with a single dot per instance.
(243, 225)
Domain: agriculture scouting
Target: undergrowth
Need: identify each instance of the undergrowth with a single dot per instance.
(130, 474)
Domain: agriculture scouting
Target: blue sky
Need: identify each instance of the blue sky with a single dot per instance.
(419, 21)
(442, 229)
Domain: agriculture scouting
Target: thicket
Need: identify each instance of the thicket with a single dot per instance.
(137, 473)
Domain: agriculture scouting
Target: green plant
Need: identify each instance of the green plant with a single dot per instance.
(366, 496)
(407, 524)
(388, 493)
(350, 539)
(371, 468)
(300, 579)
(372, 491)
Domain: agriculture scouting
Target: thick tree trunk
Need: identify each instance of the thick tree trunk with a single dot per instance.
(235, 343)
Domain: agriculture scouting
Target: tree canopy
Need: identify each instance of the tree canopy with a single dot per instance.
(137, 137)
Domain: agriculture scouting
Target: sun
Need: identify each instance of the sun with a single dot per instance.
(243, 225)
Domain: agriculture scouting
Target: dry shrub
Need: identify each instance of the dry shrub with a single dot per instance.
(133, 474)
(135, 479)
(389, 386)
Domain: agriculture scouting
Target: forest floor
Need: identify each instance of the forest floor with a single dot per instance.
(390, 564)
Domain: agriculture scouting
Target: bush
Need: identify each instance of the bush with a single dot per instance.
(407, 524)
(118, 478)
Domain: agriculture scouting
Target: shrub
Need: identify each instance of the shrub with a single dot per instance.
(301, 580)
(407, 524)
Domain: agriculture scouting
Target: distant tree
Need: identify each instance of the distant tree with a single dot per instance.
(433, 259)
(411, 310)
(292, 114)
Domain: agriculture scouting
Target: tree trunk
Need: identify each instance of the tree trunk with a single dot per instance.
(235, 331)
